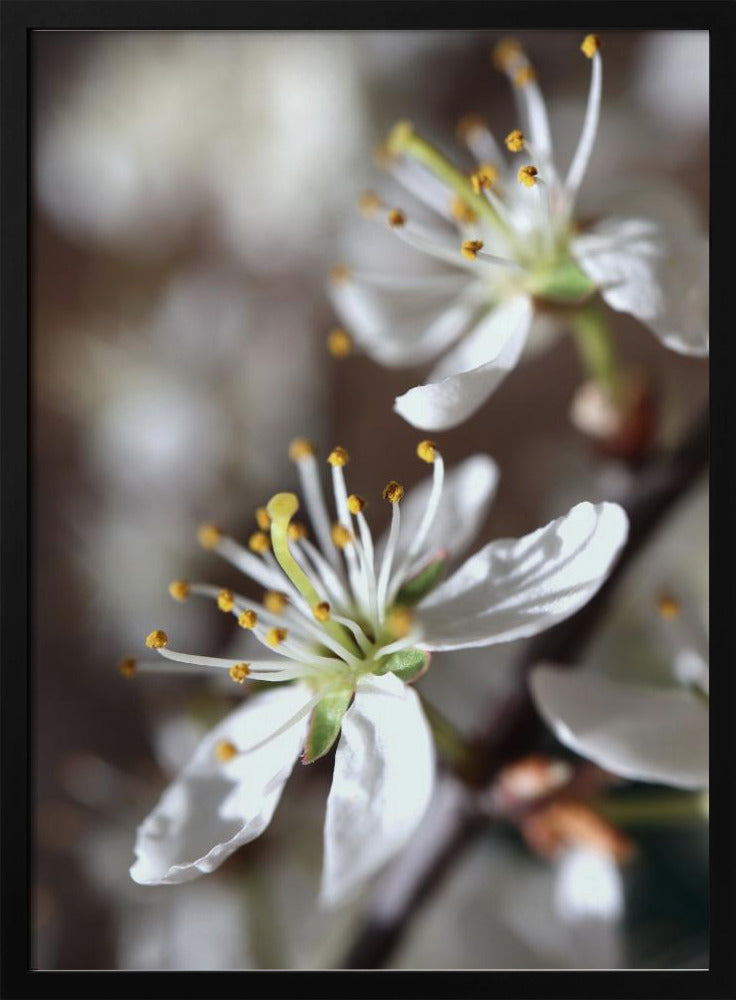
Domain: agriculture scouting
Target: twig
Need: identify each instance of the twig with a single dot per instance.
(511, 729)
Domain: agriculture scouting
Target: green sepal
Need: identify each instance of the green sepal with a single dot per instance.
(420, 585)
(324, 724)
(564, 282)
(408, 664)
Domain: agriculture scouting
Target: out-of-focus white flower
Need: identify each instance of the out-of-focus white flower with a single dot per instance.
(158, 130)
(346, 625)
(641, 731)
(639, 705)
(512, 242)
(647, 734)
(502, 909)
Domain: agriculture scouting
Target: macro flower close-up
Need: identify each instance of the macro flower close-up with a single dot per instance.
(515, 251)
(426, 687)
(353, 632)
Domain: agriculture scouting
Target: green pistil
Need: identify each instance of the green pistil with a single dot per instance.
(281, 508)
(403, 140)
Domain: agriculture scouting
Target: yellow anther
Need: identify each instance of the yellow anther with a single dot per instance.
(515, 141)
(238, 672)
(300, 448)
(262, 519)
(427, 451)
(340, 535)
(398, 137)
(321, 611)
(297, 530)
(247, 619)
(399, 622)
(668, 607)
(339, 342)
(396, 218)
(340, 273)
(355, 503)
(369, 203)
(484, 177)
(157, 639)
(275, 636)
(128, 666)
(506, 53)
(527, 176)
(524, 76)
(393, 492)
(468, 126)
(338, 456)
(259, 542)
(590, 45)
(461, 212)
(470, 249)
(275, 601)
(208, 535)
(282, 506)
(225, 600)
(225, 750)
(179, 590)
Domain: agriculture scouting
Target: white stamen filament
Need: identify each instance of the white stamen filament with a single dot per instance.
(482, 144)
(432, 243)
(247, 563)
(420, 282)
(217, 663)
(343, 516)
(366, 539)
(388, 558)
(539, 130)
(430, 512)
(422, 184)
(590, 128)
(332, 583)
(305, 710)
(316, 506)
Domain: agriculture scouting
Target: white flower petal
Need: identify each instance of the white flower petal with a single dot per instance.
(468, 375)
(383, 781)
(467, 493)
(213, 808)
(514, 588)
(396, 336)
(660, 278)
(638, 732)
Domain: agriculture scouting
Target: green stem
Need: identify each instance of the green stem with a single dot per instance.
(654, 810)
(456, 750)
(404, 140)
(595, 348)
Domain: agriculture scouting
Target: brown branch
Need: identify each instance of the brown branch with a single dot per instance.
(511, 729)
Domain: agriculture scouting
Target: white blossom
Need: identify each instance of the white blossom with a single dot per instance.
(510, 243)
(350, 624)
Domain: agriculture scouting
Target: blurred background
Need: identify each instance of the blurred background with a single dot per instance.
(191, 192)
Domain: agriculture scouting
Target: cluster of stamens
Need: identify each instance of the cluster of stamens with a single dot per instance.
(331, 610)
(514, 223)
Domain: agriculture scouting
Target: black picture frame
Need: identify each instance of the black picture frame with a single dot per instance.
(19, 21)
